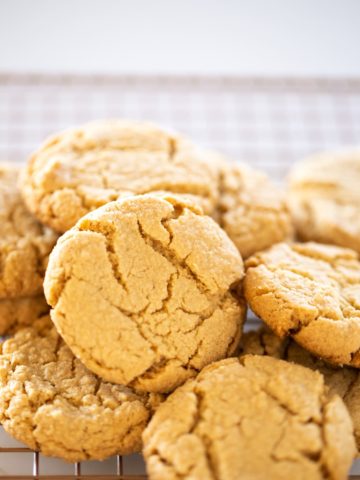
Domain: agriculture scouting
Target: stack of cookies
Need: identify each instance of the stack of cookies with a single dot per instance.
(143, 345)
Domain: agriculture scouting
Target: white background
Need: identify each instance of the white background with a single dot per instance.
(273, 37)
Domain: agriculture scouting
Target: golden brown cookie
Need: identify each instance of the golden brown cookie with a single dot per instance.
(84, 168)
(252, 210)
(25, 244)
(324, 198)
(343, 381)
(53, 404)
(253, 417)
(16, 313)
(145, 291)
(311, 292)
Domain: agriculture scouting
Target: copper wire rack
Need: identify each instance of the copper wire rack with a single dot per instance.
(269, 123)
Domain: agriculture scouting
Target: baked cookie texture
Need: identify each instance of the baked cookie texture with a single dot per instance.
(324, 198)
(250, 417)
(343, 381)
(252, 211)
(25, 244)
(84, 168)
(53, 404)
(311, 292)
(146, 291)
(16, 313)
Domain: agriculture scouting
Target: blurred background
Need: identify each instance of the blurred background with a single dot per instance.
(263, 81)
(206, 37)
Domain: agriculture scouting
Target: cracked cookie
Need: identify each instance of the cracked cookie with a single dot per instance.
(343, 381)
(16, 313)
(253, 417)
(251, 210)
(311, 292)
(84, 168)
(51, 402)
(25, 244)
(324, 198)
(146, 291)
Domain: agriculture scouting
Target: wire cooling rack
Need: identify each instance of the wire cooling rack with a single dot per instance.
(269, 123)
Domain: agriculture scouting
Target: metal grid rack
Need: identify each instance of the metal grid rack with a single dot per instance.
(269, 123)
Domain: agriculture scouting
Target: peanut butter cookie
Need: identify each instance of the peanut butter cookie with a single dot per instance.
(25, 244)
(343, 381)
(311, 292)
(253, 417)
(84, 168)
(325, 198)
(53, 404)
(16, 313)
(252, 210)
(145, 291)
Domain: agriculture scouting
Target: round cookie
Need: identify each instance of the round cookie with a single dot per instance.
(311, 292)
(343, 381)
(252, 211)
(53, 404)
(253, 417)
(324, 198)
(24, 243)
(84, 168)
(145, 291)
(16, 313)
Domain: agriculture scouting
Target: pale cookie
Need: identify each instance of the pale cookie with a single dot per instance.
(344, 381)
(53, 404)
(16, 313)
(324, 198)
(311, 292)
(252, 210)
(25, 244)
(250, 418)
(145, 291)
(84, 168)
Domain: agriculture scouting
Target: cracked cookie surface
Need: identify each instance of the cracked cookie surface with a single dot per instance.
(252, 211)
(146, 291)
(343, 381)
(25, 244)
(16, 313)
(324, 198)
(312, 292)
(84, 168)
(51, 402)
(253, 417)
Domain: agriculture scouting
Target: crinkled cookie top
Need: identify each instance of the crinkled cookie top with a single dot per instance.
(311, 292)
(84, 168)
(25, 244)
(50, 401)
(146, 291)
(324, 198)
(252, 211)
(252, 417)
(344, 381)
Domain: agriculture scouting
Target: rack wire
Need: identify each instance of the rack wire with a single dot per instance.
(269, 123)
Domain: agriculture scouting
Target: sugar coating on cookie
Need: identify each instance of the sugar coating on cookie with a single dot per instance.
(146, 291)
(24, 243)
(51, 402)
(16, 313)
(253, 417)
(84, 168)
(312, 292)
(324, 197)
(343, 381)
(252, 210)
